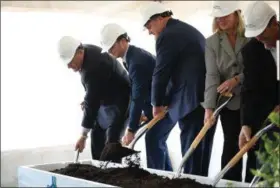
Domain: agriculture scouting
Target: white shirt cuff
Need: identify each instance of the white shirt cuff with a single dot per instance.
(85, 131)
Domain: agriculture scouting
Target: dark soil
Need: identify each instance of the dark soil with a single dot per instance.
(128, 177)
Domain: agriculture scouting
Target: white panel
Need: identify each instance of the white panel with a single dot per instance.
(32, 176)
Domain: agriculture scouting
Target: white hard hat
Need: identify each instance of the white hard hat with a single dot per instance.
(257, 16)
(151, 9)
(224, 8)
(67, 47)
(109, 34)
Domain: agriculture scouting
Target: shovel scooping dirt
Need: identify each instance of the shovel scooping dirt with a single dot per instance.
(115, 152)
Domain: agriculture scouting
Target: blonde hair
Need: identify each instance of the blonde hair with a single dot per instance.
(240, 27)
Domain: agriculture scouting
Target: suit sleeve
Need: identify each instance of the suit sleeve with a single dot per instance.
(137, 96)
(167, 52)
(249, 86)
(212, 80)
(91, 103)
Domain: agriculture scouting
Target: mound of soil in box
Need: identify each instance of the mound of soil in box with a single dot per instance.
(128, 177)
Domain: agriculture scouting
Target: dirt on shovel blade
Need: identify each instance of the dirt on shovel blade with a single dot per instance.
(115, 152)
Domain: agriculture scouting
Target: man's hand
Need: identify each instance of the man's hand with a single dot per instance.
(244, 136)
(81, 143)
(143, 118)
(158, 110)
(128, 137)
(228, 85)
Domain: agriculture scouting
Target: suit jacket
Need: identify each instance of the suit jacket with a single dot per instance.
(222, 63)
(106, 83)
(141, 65)
(180, 69)
(260, 90)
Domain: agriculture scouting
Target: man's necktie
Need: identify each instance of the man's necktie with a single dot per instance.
(125, 65)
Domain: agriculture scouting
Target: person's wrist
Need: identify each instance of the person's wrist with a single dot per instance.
(130, 130)
(246, 126)
(84, 133)
(84, 137)
(236, 79)
(209, 110)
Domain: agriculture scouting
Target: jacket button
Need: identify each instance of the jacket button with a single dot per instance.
(235, 65)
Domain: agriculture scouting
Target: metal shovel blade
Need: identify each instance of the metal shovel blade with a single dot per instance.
(115, 152)
(223, 100)
(256, 179)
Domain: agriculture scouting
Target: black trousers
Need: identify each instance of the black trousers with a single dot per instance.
(98, 138)
(112, 132)
(231, 125)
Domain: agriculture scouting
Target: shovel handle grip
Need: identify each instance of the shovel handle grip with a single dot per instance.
(155, 120)
(243, 150)
(227, 94)
(201, 134)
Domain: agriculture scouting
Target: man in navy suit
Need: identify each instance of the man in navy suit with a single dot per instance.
(140, 65)
(180, 75)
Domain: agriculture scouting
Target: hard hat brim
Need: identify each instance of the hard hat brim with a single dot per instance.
(219, 14)
(104, 50)
(253, 33)
(66, 61)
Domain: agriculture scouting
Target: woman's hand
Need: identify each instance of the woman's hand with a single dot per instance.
(228, 85)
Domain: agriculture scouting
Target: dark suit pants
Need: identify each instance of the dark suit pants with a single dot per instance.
(98, 138)
(156, 147)
(108, 128)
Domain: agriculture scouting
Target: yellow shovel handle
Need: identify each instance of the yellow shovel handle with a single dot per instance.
(155, 120)
(243, 150)
(201, 134)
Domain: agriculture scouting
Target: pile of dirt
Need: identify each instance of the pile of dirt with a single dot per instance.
(128, 177)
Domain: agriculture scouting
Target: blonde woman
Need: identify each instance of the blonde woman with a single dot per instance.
(224, 73)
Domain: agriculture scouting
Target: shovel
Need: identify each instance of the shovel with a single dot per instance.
(256, 179)
(115, 151)
(223, 100)
(76, 159)
(145, 129)
(242, 151)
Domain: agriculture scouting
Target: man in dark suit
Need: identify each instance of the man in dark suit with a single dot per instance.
(180, 75)
(260, 90)
(107, 92)
(140, 65)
